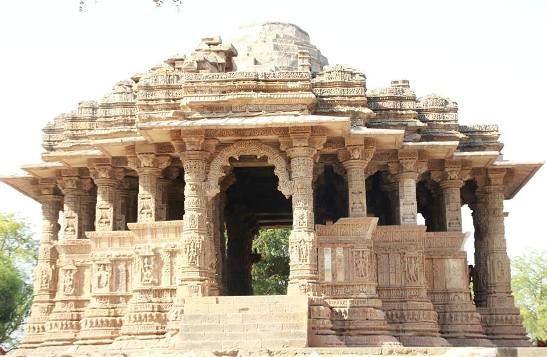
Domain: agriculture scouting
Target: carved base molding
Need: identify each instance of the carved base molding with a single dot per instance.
(448, 289)
(503, 326)
(400, 256)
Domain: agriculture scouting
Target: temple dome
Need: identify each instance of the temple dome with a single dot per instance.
(273, 46)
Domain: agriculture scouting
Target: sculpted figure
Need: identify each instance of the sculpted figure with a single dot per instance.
(103, 276)
(412, 269)
(361, 265)
(45, 277)
(303, 251)
(147, 271)
(68, 282)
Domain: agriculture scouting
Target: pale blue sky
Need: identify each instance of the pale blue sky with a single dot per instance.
(488, 55)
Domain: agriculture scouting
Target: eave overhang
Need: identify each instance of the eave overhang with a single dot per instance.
(385, 139)
(26, 184)
(157, 132)
(518, 174)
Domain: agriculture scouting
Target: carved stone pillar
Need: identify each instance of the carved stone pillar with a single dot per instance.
(45, 273)
(163, 184)
(106, 179)
(355, 159)
(132, 199)
(148, 167)
(404, 174)
(122, 201)
(72, 295)
(75, 209)
(451, 217)
(198, 254)
(214, 233)
(500, 317)
(450, 181)
(303, 277)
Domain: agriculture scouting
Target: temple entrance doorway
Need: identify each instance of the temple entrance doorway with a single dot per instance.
(257, 223)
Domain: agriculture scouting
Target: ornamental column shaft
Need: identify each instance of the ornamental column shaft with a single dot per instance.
(450, 182)
(404, 174)
(106, 179)
(303, 277)
(355, 159)
(198, 252)
(501, 319)
(148, 166)
(451, 217)
(75, 194)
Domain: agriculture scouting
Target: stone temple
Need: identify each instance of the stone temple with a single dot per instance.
(151, 198)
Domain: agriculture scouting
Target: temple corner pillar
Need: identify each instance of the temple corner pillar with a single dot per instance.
(45, 274)
(500, 317)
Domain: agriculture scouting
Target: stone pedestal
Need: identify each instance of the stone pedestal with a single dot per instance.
(347, 272)
(400, 257)
(72, 297)
(448, 289)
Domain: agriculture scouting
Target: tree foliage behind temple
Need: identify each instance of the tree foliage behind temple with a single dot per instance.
(18, 254)
(270, 275)
(529, 285)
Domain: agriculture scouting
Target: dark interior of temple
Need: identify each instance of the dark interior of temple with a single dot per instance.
(251, 202)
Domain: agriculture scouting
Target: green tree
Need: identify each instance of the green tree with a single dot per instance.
(18, 254)
(270, 275)
(15, 297)
(529, 285)
(16, 240)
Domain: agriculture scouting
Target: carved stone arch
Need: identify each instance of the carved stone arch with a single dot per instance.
(248, 147)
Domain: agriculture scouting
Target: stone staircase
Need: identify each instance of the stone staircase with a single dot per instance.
(227, 323)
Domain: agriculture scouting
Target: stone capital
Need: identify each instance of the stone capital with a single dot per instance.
(148, 161)
(193, 155)
(72, 183)
(301, 151)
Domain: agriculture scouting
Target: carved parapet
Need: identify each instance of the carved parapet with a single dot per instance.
(448, 289)
(152, 296)
(400, 257)
(347, 276)
(73, 294)
(110, 293)
(166, 231)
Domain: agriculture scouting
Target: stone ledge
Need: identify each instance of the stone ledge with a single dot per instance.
(146, 351)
